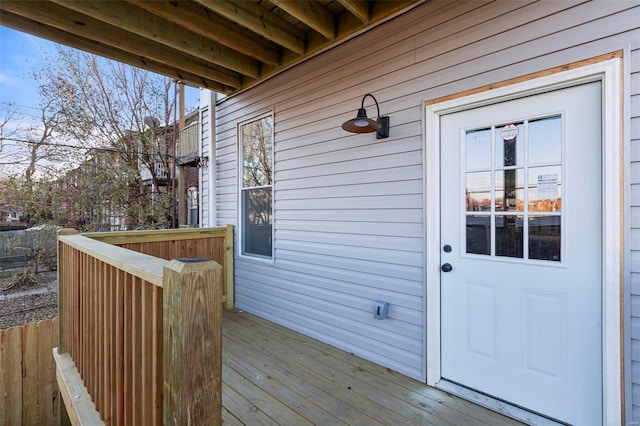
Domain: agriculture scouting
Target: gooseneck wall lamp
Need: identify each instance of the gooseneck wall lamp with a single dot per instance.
(363, 124)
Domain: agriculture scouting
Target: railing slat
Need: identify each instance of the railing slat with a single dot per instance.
(105, 353)
(146, 353)
(120, 319)
(157, 356)
(128, 351)
(137, 354)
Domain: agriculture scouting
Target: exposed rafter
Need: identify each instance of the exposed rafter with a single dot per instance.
(203, 21)
(261, 21)
(312, 13)
(359, 8)
(151, 27)
(224, 45)
(72, 40)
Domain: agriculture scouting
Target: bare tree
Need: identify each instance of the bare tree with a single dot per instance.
(7, 114)
(125, 110)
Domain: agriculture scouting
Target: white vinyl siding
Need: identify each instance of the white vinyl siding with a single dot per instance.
(349, 208)
(635, 225)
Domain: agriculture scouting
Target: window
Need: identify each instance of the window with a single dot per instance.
(256, 198)
(514, 201)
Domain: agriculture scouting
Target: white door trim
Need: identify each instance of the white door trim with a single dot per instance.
(609, 73)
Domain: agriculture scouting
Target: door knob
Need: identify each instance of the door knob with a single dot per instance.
(446, 267)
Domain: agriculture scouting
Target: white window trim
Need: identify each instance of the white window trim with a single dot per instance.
(609, 73)
(240, 245)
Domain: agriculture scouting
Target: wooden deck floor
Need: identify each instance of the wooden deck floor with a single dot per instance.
(274, 376)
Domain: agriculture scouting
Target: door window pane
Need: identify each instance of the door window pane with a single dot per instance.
(510, 151)
(479, 234)
(478, 191)
(544, 237)
(545, 140)
(509, 189)
(478, 149)
(545, 189)
(509, 236)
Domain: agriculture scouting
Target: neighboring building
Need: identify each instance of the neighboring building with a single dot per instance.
(188, 160)
(496, 225)
(84, 197)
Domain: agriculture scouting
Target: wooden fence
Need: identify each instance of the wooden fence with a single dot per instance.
(28, 393)
(123, 316)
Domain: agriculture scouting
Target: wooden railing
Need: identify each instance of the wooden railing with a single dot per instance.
(136, 329)
(210, 243)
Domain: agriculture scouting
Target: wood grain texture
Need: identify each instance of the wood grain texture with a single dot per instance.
(273, 375)
(192, 305)
(77, 400)
(28, 395)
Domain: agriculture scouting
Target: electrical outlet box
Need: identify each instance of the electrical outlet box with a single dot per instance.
(380, 310)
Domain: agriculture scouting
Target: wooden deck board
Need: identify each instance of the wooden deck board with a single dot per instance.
(273, 375)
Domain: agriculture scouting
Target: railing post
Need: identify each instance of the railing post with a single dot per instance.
(192, 346)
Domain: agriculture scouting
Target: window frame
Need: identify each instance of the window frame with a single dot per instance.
(241, 189)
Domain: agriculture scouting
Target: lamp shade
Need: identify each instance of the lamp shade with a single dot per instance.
(361, 124)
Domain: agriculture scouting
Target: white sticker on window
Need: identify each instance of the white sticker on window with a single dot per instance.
(547, 187)
(509, 132)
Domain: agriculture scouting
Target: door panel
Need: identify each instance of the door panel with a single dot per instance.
(521, 208)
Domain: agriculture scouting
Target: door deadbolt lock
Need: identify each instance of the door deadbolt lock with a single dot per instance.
(447, 248)
(446, 267)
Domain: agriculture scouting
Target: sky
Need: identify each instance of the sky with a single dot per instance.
(20, 55)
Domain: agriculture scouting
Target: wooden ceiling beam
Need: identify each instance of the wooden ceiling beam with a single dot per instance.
(154, 28)
(312, 13)
(261, 21)
(84, 26)
(56, 35)
(201, 20)
(359, 8)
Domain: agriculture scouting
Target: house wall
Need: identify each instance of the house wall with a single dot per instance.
(349, 208)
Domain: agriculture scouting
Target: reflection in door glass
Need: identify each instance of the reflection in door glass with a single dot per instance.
(545, 189)
(545, 140)
(478, 149)
(510, 190)
(479, 234)
(509, 236)
(478, 191)
(513, 189)
(544, 237)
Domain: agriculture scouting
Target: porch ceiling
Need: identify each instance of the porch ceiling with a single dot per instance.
(222, 45)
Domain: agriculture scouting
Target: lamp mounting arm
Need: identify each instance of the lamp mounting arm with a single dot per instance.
(374, 100)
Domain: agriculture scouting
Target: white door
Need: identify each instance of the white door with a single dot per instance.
(521, 252)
